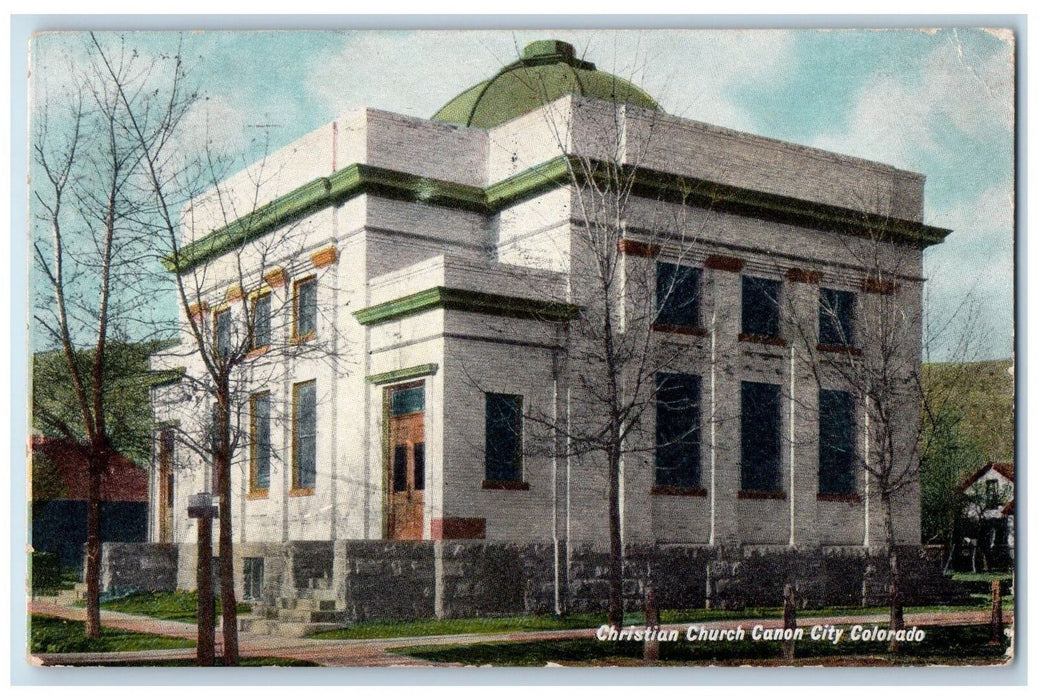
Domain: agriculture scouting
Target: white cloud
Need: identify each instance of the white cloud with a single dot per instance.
(703, 69)
(976, 262)
(991, 210)
(216, 122)
(402, 72)
(691, 73)
(898, 118)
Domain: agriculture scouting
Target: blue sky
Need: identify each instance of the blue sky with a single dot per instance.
(936, 102)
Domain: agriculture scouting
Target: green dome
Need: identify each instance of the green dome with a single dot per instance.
(548, 70)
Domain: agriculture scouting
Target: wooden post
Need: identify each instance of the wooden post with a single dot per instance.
(200, 507)
(206, 613)
(652, 624)
(996, 613)
(789, 618)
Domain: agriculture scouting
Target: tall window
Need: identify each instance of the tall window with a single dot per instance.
(259, 443)
(166, 447)
(677, 295)
(252, 578)
(760, 307)
(214, 446)
(504, 437)
(304, 325)
(261, 321)
(761, 438)
(222, 322)
(836, 317)
(677, 430)
(304, 435)
(836, 444)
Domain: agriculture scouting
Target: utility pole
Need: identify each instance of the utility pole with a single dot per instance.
(200, 506)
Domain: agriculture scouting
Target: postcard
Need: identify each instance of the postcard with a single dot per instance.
(686, 347)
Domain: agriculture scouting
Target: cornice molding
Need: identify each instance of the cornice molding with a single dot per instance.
(403, 375)
(357, 179)
(465, 300)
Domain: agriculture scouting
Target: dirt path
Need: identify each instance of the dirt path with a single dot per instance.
(373, 652)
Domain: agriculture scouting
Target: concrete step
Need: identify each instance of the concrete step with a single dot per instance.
(256, 625)
(339, 616)
(285, 628)
(317, 594)
(306, 604)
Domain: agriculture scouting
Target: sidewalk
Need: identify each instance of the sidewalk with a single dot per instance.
(373, 652)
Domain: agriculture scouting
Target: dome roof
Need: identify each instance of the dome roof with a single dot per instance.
(548, 70)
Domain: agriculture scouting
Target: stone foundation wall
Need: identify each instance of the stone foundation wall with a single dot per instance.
(379, 580)
(138, 566)
(479, 578)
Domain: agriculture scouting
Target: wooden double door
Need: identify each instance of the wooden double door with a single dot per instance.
(406, 461)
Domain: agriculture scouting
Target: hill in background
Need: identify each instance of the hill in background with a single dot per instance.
(985, 397)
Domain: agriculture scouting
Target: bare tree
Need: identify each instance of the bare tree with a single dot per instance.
(864, 349)
(246, 316)
(631, 256)
(96, 258)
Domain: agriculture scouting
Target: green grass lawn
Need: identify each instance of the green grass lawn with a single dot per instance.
(489, 625)
(533, 623)
(55, 635)
(982, 576)
(948, 645)
(180, 606)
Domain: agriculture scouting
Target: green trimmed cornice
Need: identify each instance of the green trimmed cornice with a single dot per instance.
(358, 179)
(465, 300)
(403, 375)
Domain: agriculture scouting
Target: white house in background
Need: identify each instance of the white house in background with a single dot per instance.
(990, 504)
(443, 257)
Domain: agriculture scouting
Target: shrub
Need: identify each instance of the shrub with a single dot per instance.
(45, 571)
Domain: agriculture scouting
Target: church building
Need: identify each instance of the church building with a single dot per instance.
(424, 302)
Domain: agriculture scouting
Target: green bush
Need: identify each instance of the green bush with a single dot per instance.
(46, 572)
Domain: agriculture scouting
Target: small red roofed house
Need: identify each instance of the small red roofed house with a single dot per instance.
(60, 494)
(989, 508)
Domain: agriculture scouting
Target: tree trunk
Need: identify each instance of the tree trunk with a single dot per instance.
(616, 560)
(228, 603)
(897, 611)
(93, 548)
(205, 655)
